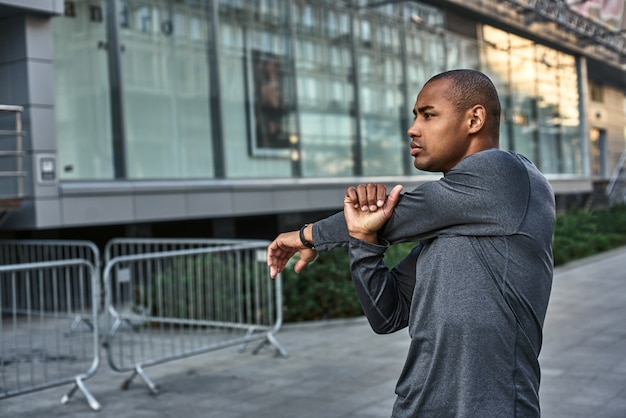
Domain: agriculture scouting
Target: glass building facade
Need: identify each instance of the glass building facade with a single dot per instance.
(236, 89)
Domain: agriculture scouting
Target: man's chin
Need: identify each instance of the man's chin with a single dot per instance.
(425, 167)
(421, 165)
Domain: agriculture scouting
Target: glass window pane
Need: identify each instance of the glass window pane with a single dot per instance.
(382, 134)
(82, 89)
(258, 92)
(166, 91)
(326, 144)
(540, 100)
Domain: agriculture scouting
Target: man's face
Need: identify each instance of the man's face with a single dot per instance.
(439, 133)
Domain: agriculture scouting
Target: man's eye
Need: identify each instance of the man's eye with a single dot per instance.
(427, 115)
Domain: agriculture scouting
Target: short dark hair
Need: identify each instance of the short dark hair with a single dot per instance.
(469, 88)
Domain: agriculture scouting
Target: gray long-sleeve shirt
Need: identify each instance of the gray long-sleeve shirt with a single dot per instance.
(473, 292)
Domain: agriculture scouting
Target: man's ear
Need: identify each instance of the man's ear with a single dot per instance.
(478, 116)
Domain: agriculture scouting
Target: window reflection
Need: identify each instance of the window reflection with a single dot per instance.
(325, 93)
(166, 90)
(539, 94)
(82, 88)
(308, 46)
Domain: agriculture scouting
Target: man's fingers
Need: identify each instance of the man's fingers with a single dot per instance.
(276, 266)
(394, 197)
(283, 248)
(352, 197)
(381, 195)
(361, 191)
(372, 196)
(274, 271)
(367, 197)
(280, 251)
(300, 265)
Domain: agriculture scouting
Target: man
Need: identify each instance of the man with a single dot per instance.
(475, 289)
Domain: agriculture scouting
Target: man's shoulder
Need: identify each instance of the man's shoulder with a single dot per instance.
(495, 154)
(498, 170)
(505, 170)
(494, 161)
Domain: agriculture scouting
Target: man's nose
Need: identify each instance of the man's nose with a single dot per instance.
(413, 130)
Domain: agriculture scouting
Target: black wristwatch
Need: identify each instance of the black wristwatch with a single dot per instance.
(304, 241)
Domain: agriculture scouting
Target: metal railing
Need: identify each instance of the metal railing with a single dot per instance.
(39, 303)
(33, 251)
(165, 299)
(616, 189)
(132, 246)
(11, 158)
(169, 305)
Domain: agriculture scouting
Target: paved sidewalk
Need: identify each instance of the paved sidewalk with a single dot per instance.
(341, 369)
(583, 358)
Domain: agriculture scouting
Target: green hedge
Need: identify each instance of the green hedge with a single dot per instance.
(324, 289)
(581, 233)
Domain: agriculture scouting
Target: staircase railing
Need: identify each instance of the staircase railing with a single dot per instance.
(616, 189)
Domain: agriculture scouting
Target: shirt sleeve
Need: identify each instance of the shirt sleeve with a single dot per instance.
(485, 194)
(385, 294)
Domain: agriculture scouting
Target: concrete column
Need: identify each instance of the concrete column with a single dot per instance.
(27, 79)
(583, 99)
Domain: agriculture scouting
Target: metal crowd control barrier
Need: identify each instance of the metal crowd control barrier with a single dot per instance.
(132, 246)
(38, 303)
(34, 251)
(170, 305)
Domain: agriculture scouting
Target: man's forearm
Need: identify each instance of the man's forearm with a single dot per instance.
(384, 295)
(329, 233)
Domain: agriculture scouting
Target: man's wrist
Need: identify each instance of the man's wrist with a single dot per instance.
(371, 238)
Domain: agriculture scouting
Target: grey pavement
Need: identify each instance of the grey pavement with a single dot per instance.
(341, 369)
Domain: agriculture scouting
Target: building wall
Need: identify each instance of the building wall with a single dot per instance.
(26, 79)
(607, 115)
(176, 102)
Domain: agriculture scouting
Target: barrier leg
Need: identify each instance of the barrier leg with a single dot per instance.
(79, 320)
(242, 346)
(93, 403)
(139, 371)
(270, 339)
(281, 350)
(126, 383)
(153, 388)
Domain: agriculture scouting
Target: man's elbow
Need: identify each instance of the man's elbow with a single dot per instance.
(381, 330)
(385, 327)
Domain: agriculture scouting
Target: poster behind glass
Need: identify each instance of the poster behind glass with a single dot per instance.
(268, 110)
